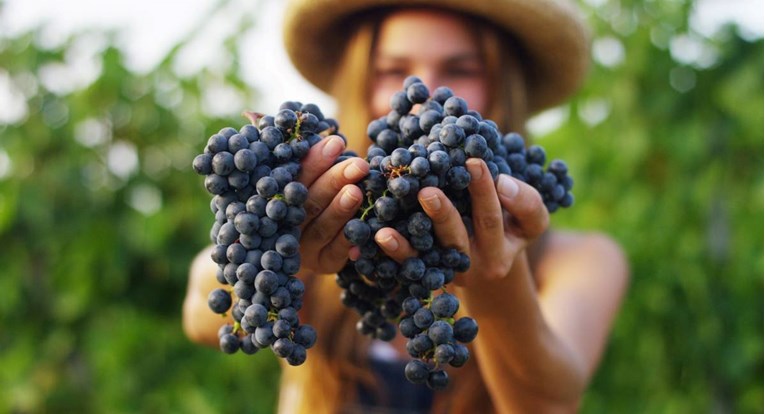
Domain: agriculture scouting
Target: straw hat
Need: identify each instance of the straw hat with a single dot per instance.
(551, 32)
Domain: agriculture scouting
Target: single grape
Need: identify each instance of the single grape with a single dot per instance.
(357, 232)
(416, 371)
(438, 379)
(229, 343)
(465, 329)
(219, 301)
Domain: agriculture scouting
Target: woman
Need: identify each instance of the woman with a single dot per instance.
(544, 300)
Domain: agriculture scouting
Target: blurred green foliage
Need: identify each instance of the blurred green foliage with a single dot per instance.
(100, 216)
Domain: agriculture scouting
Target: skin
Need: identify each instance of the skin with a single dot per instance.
(437, 48)
(543, 325)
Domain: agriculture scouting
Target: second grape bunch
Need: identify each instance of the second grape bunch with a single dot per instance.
(424, 141)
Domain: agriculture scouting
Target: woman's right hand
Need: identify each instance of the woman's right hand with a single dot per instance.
(333, 199)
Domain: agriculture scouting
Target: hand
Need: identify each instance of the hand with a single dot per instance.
(333, 199)
(507, 216)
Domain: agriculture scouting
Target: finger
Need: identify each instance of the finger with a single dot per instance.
(320, 158)
(354, 253)
(325, 227)
(447, 223)
(488, 222)
(394, 244)
(524, 203)
(333, 256)
(328, 185)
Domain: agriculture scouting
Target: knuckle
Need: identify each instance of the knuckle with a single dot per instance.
(318, 233)
(332, 256)
(544, 222)
(312, 209)
(442, 214)
(497, 270)
(488, 221)
(336, 175)
(335, 182)
(532, 202)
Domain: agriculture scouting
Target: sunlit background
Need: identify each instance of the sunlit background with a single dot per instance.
(103, 105)
(149, 30)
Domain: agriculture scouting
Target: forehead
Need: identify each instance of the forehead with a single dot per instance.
(425, 33)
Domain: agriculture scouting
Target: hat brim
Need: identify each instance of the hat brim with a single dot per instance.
(551, 32)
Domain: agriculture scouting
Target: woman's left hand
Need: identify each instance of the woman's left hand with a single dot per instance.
(507, 216)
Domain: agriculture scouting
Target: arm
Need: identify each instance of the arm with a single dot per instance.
(536, 348)
(200, 324)
(550, 341)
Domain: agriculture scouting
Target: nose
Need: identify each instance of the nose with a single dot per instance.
(429, 76)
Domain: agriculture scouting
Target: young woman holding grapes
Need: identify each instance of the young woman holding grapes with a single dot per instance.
(544, 299)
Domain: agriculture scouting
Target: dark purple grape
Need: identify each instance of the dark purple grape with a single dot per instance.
(417, 371)
(287, 245)
(438, 379)
(219, 301)
(237, 142)
(256, 314)
(444, 353)
(465, 329)
(386, 208)
(357, 232)
(417, 92)
(298, 355)
(444, 305)
(202, 164)
(440, 332)
(439, 161)
(458, 177)
(451, 135)
(441, 94)
(271, 136)
(267, 187)
(423, 318)
(229, 343)
(455, 106)
(295, 193)
(400, 103)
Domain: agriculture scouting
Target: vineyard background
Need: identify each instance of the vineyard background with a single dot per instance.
(101, 214)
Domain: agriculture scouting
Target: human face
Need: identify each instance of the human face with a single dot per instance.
(436, 46)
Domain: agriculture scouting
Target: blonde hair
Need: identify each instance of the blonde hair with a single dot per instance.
(337, 363)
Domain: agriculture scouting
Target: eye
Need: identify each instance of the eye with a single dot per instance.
(391, 72)
(464, 71)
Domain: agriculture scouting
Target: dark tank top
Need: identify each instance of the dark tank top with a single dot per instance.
(392, 393)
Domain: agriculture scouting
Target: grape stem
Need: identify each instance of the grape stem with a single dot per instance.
(371, 203)
(295, 133)
(254, 117)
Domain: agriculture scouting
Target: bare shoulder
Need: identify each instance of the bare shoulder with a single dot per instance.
(202, 267)
(582, 279)
(594, 253)
(600, 242)
(199, 323)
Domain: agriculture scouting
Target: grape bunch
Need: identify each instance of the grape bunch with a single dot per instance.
(412, 150)
(258, 206)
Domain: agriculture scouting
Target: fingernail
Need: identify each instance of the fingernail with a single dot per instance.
(348, 200)
(333, 148)
(474, 167)
(389, 243)
(432, 202)
(506, 186)
(353, 172)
